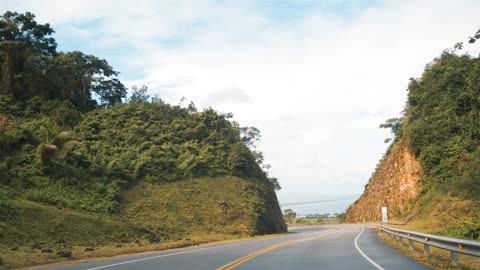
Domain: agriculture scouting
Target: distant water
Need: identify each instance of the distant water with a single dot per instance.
(326, 207)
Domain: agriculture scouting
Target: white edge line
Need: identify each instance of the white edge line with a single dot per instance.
(177, 253)
(363, 254)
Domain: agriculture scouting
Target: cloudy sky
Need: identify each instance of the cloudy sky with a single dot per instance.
(316, 77)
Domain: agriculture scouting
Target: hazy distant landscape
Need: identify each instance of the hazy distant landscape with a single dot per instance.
(327, 206)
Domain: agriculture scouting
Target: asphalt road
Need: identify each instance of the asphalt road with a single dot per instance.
(323, 247)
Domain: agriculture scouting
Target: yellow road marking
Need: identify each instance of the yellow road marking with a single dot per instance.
(248, 257)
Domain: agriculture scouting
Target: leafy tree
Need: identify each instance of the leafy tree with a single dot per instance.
(21, 40)
(77, 76)
(289, 215)
(56, 148)
(395, 125)
(275, 183)
(139, 94)
(471, 40)
(249, 135)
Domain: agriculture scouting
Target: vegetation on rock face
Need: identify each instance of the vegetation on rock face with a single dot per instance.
(442, 123)
(67, 139)
(441, 127)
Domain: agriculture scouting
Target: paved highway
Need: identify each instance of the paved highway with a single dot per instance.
(323, 247)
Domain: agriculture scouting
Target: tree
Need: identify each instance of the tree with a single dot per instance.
(249, 135)
(77, 75)
(471, 40)
(275, 184)
(139, 95)
(395, 126)
(56, 147)
(21, 38)
(289, 215)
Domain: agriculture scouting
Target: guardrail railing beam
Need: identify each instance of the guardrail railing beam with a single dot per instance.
(455, 246)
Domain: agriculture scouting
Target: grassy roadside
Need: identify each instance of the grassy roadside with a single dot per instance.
(153, 217)
(129, 249)
(439, 259)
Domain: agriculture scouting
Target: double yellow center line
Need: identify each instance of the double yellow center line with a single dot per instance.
(241, 260)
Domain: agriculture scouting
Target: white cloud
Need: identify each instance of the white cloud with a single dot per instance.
(317, 87)
(226, 96)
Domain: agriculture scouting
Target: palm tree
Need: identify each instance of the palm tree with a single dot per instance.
(57, 147)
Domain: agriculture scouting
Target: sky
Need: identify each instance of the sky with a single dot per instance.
(316, 77)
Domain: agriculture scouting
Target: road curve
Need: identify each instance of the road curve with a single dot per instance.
(322, 247)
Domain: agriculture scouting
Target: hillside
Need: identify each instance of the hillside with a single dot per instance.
(85, 172)
(134, 173)
(430, 177)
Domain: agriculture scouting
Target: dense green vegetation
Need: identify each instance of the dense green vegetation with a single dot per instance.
(31, 66)
(442, 124)
(59, 146)
(70, 139)
(57, 155)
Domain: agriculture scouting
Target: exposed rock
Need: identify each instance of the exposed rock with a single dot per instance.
(393, 185)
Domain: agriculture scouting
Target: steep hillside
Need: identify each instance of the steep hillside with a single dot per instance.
(136, 175)
(83, 173)
(394, 185)
(430, 178)
(227, 205)
(152, 217)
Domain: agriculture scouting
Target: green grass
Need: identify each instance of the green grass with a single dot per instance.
(447, 216)
(152, 216)
(35, 226)
(193, 207)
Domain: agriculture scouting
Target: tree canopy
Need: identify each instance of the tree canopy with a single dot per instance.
(31, 66)
(22, 40)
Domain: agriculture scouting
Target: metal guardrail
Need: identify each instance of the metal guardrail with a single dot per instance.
(455, 246)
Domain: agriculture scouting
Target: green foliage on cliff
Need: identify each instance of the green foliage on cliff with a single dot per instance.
(442, 124)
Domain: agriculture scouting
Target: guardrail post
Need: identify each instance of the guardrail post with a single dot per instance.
(454, 256)
(400, 239)
(410, 244)
(426, 250)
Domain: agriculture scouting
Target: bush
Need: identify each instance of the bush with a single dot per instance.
(6, 203)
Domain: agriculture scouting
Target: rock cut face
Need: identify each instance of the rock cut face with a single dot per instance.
(393, 185)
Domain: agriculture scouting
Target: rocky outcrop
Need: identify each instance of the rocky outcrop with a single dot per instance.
(393, 185)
